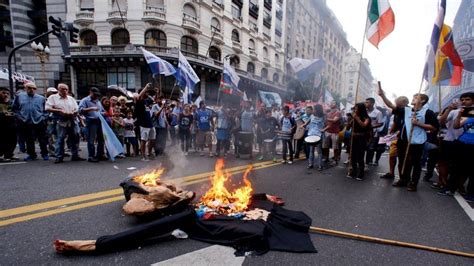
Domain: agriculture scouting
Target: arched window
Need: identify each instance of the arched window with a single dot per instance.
(276, 78)
(120, 36)
(215, 53)
(235, 36)
(235, 62)
(88, 37)
(155, 38)
(190, 11)
(265, 52)
(277, 59)
(251, 45)
(215, 25)
(251, 68)
(264, 73)
(189, 44)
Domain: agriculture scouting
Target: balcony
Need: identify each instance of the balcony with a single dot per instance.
(154, 14)
(278, 67)
(191, 23)
(253, 54)
(253, 10)
(237, 46)
(115, 17)
(84, 17)
(218, 4)
(217, 36)
(266, 61)
(268, 4)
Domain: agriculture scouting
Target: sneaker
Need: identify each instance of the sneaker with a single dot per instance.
(211, 154)
(359, 178)
(260, 158)
(58, 160)
(309, 166)
(320, 168)
(411, 187)
(144, 159)
(387, 176)
(290, 162)
(284, 161)
(347, 161)
(350, 176)
(29, 158)
(275, 159)
(436, 186)
(46, 158)
(445, 192)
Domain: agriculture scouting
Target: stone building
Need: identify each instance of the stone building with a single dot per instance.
(351, 65)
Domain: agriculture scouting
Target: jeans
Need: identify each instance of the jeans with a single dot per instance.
(359, 144)
(312, 149)
(94, 132)
(160, 142)
(185, 138)
(61, 133)
(412, 169)
(31, 132)
(287, 145)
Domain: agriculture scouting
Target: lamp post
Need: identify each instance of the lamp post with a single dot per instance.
(42, 52)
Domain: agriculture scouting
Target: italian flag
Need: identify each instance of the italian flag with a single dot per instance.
(380, 21)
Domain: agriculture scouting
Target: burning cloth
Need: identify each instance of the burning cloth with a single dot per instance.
(284, 230)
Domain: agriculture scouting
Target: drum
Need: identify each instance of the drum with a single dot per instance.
(299, 130)
(244, 143)
(284, 135)
(269, 146)
(312, 140)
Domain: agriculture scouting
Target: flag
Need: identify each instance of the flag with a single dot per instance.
(187, 96)
(328, 97)
(380, 21)
(448, 63)
(198, 101)
(245, 98)
(185, 75)
(113, 145)
(428, 71)
(305, 68)
(158, 65)
(230, 80)
(341, 106)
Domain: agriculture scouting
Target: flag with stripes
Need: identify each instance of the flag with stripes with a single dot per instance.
(380, 21)
(448, 63)
(429, 69)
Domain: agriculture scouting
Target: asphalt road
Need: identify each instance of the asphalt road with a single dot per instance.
(370, 207)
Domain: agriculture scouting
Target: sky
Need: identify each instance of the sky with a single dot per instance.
(399, 61)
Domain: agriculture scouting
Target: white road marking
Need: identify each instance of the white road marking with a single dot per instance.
(12, 163)
(464, 205)
(213, 255)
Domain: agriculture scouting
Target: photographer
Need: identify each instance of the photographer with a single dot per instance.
(143, 121)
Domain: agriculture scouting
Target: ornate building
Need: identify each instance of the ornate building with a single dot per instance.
(351, 64)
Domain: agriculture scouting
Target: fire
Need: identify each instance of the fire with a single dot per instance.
(150, 179)
(220, 199)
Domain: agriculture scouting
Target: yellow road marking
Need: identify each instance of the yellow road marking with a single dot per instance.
(188, 180)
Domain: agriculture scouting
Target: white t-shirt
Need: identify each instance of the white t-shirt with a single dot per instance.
(129, 126)
(376, 118)
(68, 104)
(452, 134)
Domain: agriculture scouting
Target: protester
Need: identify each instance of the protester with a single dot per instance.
(64, 110)
(92, 108)
(160, 123)
(29, 110)
(303, 119)
(205, 126)
(118, 125)
(360, 130)
(267, 130)
(51, 125)
(108, 110)
(185, 121)
(8, 133)
(376, 121)
(315, 125)
(175, 112)
(287, 125)
(331, 134)
(144, 123)
(130, 138)
(247, 119)
(122, 104)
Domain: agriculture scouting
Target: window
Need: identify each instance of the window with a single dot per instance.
(250, 68)
(190, 11)
(276, 78)
(155, 3)
(87, 5)
(155, 38)
(121, 76)
(120, 36)
(119, 3)
(189, 44)
(251, 45)
(235, 36)
(264, 73)
(265, 53)
(214, 53)
(236, 12)
(277, 59)
(215, 25)
(235, 62)
(88, 37)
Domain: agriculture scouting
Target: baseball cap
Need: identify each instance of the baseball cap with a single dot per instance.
(95, 91)
(52, 90)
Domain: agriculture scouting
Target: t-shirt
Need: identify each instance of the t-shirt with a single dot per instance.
(287, 124)
(430, 119)
(160, 121)
(268, 126)
(222, 120)
(333, 127)
(358, 128)
(142, 113)
(185, 121)
(467, 136)
(204, 119)
(129, 127)
(246, 121)
(452, 134)
(376, 118)
(315, 126)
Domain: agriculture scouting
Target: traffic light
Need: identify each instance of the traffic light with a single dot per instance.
(57, 26)
(73, 32)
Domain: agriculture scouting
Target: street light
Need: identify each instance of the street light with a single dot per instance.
(42, 52)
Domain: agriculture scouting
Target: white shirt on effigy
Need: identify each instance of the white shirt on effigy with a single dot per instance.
(67, 105)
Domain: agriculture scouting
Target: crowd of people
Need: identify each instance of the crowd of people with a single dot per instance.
(149, 124)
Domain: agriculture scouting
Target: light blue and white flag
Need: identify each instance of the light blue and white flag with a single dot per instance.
(305, 68)
(158, 65)
(185, 75)
(113, 145)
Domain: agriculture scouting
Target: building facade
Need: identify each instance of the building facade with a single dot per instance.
(250, 33)
(351, 63)
(313, 32)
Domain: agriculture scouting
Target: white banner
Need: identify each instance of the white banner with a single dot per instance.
(17, 76)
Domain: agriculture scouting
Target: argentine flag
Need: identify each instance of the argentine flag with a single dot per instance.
(185, 75)
(305, 68)
(158, 65)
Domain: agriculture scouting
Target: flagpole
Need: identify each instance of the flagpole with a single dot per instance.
(357, 88)
(439, 97)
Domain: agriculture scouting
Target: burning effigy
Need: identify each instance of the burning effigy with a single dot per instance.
(227, 214)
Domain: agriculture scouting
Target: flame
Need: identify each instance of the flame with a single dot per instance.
(150, 179)
(219, 198)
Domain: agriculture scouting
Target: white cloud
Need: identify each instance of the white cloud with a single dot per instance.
(399, 62)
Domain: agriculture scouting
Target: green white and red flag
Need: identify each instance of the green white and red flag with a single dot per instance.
(380, 21)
